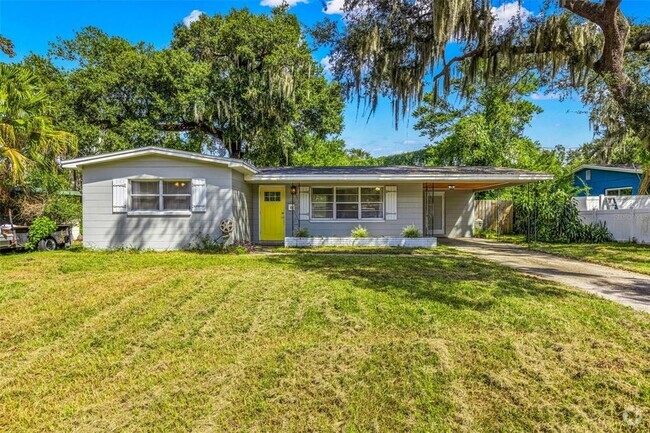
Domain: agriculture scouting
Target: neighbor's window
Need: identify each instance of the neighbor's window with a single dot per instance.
(161, 195)
(347, 203)
(588, 174)
(618, 191)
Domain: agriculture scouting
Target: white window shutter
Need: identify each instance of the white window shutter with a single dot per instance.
(391, 202)
(304, 203)
(199, 195)
(120, 195)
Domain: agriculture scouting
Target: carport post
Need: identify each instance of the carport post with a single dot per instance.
(498, 212)
(528, 209)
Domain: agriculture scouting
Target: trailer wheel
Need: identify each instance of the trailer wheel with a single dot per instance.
(48, 244)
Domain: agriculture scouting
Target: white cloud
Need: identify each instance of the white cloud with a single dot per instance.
(507, 11)
(193, 16)
(536, 96)
(276, 3)
(326, 63)
(333, 7)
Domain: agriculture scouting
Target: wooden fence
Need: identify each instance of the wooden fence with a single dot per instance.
(491, 210)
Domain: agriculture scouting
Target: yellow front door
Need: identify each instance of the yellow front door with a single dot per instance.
(271, 213)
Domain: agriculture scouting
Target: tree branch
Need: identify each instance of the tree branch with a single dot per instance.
(642, 43)
(447, 66)
(586, 9)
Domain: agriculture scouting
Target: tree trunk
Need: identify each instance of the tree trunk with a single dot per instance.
(616, 29)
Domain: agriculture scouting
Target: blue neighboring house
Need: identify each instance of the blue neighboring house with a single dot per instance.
(612, 180)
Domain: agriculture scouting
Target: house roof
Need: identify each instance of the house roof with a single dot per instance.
(393, 170)
(464, 177)
(236, 164)
(622, 168)
(475, 178)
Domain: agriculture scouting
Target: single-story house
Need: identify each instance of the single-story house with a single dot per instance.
(165, 199)
(610, 180)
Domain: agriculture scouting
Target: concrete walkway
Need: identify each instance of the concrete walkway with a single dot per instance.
(627, 288)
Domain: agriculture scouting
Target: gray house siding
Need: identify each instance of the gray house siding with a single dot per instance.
(459, 214)
(409, 211)
(255, 213)
(230, 196)
(105, 229)
(242, 208)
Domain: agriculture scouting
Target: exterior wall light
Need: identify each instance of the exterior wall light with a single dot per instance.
(452, 187)
(294, 189)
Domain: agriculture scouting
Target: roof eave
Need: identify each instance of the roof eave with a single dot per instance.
(260, 178)
(600, 167)
(235, 164)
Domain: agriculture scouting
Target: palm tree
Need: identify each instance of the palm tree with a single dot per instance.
(27, 132)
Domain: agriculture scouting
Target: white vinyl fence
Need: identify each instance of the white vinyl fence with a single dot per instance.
(624, 224)
(628, 218)
(601, 202)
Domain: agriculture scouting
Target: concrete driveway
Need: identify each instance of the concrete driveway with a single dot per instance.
(627, 288)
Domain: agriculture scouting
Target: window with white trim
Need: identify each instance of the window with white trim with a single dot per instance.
(161, 195)
(347, 203)
(617, 192)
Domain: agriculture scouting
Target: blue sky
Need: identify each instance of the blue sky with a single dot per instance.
(31, 25)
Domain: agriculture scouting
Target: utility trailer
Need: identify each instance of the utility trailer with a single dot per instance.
(13, 237)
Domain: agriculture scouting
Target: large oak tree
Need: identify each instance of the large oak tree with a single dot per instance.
(398, 47)
(240, 83)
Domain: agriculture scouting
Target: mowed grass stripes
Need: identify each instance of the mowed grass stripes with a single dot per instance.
(128, 341)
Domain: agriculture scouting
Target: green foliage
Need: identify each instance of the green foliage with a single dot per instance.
(554, 217)
(64, 209)
(242, 248)
(319, 152)
(612, 148)
(487, 129)
(29, 139)
(240, 83)
(209, 244)
(410, 231)
(390, 47)
(41, 228)
(359, 232)
(416, 157)
(616, 139)
(484, 233)
(302, 233)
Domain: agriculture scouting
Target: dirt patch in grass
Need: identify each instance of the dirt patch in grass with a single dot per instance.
(129, 341)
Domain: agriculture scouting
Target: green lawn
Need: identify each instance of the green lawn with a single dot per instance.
(624, 255)
(127, 341)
